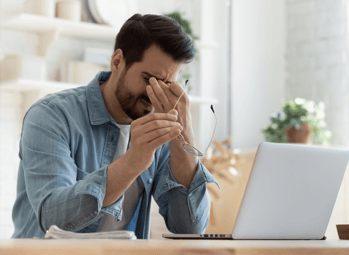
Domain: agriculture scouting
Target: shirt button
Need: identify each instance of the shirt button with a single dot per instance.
(150, 181)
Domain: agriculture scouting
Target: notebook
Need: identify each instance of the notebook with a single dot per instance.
(290, 194)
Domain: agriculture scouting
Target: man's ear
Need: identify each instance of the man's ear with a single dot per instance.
(116, 60)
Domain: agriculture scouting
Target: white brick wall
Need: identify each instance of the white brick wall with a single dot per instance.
(301, 7)
(317, 59)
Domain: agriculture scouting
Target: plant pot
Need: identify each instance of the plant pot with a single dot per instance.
(298, 136)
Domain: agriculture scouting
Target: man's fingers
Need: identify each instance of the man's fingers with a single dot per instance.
(154, 99)
(156, 143)
(155, 116)
(173, 111)
(159, 92)
(176, 88)
(158, 133)
(169, 94)
(158, 124)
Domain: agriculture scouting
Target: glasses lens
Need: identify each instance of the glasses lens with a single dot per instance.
(191, 149)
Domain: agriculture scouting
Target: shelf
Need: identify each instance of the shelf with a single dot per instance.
(25, 85)
(50, 29)
(36, 23)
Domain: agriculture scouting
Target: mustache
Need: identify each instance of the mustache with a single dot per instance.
(146, 98)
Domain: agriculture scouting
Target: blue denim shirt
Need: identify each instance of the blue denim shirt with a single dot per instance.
(68, 140)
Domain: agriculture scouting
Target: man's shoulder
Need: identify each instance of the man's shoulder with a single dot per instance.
(67, 95)
(63, 99)
(66, 103)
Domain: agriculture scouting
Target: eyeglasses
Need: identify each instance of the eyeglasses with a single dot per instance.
(186, 146)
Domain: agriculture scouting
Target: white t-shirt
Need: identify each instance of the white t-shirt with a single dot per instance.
(123, 141)
(131, 195)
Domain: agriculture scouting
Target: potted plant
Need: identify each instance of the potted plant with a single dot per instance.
(189, 31)
(301, 121)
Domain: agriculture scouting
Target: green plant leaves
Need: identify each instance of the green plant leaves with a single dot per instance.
(294, 113)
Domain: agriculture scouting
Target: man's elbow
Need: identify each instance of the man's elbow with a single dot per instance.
(191, 227)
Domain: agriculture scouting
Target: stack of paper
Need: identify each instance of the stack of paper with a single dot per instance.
(55, 232)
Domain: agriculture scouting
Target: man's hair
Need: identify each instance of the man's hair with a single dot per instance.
(140, 31)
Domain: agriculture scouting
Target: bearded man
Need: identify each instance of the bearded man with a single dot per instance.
(92, 157)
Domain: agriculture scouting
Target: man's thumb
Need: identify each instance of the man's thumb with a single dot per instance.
(173, 111)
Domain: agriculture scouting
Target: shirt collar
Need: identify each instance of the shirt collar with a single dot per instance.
(98, 112)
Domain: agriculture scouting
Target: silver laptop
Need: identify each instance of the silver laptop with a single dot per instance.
(290, 194)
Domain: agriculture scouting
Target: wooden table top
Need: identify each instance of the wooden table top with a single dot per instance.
(202, 247)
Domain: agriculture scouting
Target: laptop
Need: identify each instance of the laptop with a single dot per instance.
(290, 194)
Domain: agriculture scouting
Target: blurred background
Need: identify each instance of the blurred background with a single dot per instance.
(252, 56)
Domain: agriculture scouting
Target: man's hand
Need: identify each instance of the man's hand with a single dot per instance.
(164, 97)
(149, 133)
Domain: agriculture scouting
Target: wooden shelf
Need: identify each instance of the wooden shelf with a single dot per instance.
(36, 23)
(25, 85)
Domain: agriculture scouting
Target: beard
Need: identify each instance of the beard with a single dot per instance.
(128, 101)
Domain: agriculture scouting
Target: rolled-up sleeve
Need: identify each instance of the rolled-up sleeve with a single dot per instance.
(50, 174)
(184, 211)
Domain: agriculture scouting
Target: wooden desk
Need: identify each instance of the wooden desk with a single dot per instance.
(202, 247)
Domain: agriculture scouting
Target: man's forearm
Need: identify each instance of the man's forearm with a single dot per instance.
(183, 164)
(120, 175)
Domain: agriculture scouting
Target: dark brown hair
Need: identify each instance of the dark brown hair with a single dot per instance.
(140, 31)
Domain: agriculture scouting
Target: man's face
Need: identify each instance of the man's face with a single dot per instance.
(131, 87)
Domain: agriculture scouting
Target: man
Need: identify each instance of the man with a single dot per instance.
(91, 157)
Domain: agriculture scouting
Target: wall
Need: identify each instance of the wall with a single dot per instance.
(317, 59)
(258, 67)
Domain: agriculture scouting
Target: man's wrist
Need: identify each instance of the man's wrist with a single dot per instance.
(133, 162)
(182, 160)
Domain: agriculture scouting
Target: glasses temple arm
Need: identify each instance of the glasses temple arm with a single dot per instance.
(214, 128)
(180, 95)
